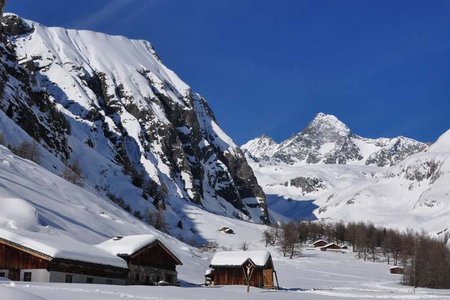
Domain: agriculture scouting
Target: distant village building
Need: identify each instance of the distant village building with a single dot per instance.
(330, 246)
(396, 270)
(148, 259)
(227, 230)
(229, 268)
(137, 259)
(31, 258)
(319, 243)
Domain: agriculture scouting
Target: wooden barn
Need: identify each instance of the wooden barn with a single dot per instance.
(41, 258)
(150, 262)
(319, 243)
(232, 267)
(330, 246)
(396, 270)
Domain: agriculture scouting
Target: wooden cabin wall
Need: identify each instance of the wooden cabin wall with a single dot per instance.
(155, 256)
(13, 258)
(235, 276)
(77, 267)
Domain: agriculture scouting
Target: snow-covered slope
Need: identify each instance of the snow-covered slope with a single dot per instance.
(37, 205)
(327, 140)
(108, 105)
(327, 172)
(415, 193)
(47, 206)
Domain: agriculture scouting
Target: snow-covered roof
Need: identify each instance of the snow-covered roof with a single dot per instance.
(60, 246)
(237, 258)
(130, 244)
(396, 267)
(127, 245)
(320, 241)
(329, 245)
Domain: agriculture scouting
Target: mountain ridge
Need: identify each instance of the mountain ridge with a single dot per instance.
(328, 140)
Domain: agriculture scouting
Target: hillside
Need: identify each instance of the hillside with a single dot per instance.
(415, 193)
(107, 105)
(36, 202)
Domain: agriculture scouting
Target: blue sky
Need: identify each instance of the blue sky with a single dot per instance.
(267, 67)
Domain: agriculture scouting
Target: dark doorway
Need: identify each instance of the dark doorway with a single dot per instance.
(14, 274)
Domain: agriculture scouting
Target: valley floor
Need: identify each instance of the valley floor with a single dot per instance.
(315, 275)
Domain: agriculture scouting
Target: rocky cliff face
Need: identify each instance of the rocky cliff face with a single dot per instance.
(109, 105)
(327, 140)
(2, 6)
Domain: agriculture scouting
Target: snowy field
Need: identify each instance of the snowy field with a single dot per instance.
(315, 275)
(34, 201)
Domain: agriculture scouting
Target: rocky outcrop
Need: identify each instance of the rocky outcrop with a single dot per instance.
(306, 184)
(2, 6)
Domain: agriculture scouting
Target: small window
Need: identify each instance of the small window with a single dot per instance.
(69, 278)
(27, 276)
(89, 280)
(108, 281)
(2, 274)
(136, 277)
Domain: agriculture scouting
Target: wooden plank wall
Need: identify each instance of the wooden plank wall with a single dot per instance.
(235, 276)
(155, 256)
(13, 258)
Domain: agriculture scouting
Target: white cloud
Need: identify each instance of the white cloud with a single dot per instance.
(106, 12)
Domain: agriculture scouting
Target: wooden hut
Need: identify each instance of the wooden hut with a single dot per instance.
(232, 267)
(47, 258)
(396, 270)
(319, 243)
(330, 246)
(150, 262)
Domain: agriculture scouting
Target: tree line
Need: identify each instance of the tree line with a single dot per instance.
(425, 259)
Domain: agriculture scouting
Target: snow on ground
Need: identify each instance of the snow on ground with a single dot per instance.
(316, 275)
(54, 208)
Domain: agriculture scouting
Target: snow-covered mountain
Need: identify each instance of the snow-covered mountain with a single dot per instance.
(414, 193)
(327, 140)
(108, 105)
(326, 172)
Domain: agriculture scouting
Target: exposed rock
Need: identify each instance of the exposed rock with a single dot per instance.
(2, 6)
(327, 140)
(14, 25)
(307, 184)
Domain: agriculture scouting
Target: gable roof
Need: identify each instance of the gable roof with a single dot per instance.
(127, 245)
(238, 258)
(330, 245)
(320, 241)
(50, 246)
(131, 245)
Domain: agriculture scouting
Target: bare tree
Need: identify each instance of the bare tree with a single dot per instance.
(157, 218)
(28, 150)
(244, 246)
(269, 237)
(73, 173)
(288, 242)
